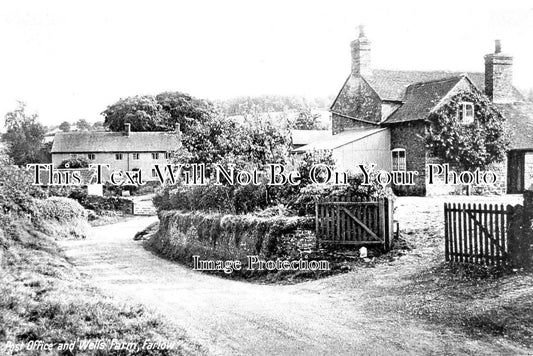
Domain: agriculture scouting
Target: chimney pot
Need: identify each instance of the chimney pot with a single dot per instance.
(361, 54)
(497, 46)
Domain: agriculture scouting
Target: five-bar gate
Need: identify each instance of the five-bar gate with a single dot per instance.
(349, 221)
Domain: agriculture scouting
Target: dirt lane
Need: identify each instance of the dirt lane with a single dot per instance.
(229, 317)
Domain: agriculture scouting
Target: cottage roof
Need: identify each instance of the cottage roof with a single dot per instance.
(421, 98)
(391, 85)
(341, 139)
(98, 141)
(519, 116)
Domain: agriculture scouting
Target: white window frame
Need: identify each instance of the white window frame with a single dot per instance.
(119, 157)
(135, 156)
(155, 155)
(91, 156)
(467, 119)
(401, 163)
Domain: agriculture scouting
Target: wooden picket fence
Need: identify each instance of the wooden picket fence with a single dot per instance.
(476, 233)
(351, 221)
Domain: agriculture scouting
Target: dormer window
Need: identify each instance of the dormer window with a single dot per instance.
(466, 113)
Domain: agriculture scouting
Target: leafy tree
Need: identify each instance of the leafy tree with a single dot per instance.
(83, 125)
(185, 110)
(477, 145)
(24, 136)
(144, 113)
(98, 126)
(307, 120)
(65, 126)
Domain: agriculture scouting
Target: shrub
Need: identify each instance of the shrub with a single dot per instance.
(78, 162)
(16, 188)
(57, 208)
(98, 203)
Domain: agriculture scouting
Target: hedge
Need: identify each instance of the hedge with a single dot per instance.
(183, 235)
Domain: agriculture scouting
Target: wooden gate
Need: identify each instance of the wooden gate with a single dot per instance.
(477, 234)
(348, 221)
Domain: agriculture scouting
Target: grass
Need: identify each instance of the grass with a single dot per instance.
(42, 297)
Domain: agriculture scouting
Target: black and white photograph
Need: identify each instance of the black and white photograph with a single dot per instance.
(291, 177)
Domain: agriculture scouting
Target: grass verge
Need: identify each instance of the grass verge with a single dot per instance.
(44, 301)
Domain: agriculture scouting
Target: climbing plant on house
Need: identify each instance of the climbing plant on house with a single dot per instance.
(472, 145)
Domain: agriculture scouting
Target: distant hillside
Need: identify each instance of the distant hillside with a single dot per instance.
(271, 103)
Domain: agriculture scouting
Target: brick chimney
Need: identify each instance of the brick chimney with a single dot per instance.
(499, 75)
(361, 54)
(127, 128)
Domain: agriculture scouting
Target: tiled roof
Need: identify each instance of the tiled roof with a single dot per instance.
(94, 141)
(338, 140)
(520, 120)
(421, 98)
(392, 84)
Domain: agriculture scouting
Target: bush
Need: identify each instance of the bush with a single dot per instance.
(16, 188)
(78, 162)
(57, 208)
(98, 203)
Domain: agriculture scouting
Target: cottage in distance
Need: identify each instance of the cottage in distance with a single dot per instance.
(124, 151)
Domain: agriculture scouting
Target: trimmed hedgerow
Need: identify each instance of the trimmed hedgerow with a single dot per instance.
(183, 235)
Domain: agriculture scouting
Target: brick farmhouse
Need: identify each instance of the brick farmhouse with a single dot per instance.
(382, 117)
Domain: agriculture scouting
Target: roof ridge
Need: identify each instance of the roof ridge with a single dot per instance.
(446, 79)
(427, 71)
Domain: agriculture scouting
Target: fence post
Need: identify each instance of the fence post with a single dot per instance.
(527, 228)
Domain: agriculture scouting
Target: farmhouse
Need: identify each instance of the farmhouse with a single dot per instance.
(126, 151)
(386, 116)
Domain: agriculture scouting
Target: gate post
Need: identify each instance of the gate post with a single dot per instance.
(527, 229)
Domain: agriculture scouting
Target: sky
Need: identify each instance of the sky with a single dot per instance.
(69, 60)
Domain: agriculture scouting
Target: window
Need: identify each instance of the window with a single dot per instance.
(168, 155)
(466, 113)
(118, 156)
(398, 159)
(91, 156)
(155, 155)
(135, 156)
(154, 173)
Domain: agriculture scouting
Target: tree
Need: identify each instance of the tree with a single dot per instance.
(144, 113)
(65, 126)
(307, 120)
(98, 126)
(24, 136)
(185, 110)
(83, 125)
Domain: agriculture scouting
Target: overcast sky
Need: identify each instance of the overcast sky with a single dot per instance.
(70, 59)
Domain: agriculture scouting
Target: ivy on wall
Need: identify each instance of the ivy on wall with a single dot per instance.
(475, 145)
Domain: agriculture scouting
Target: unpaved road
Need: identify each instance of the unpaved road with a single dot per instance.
(323, 317)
